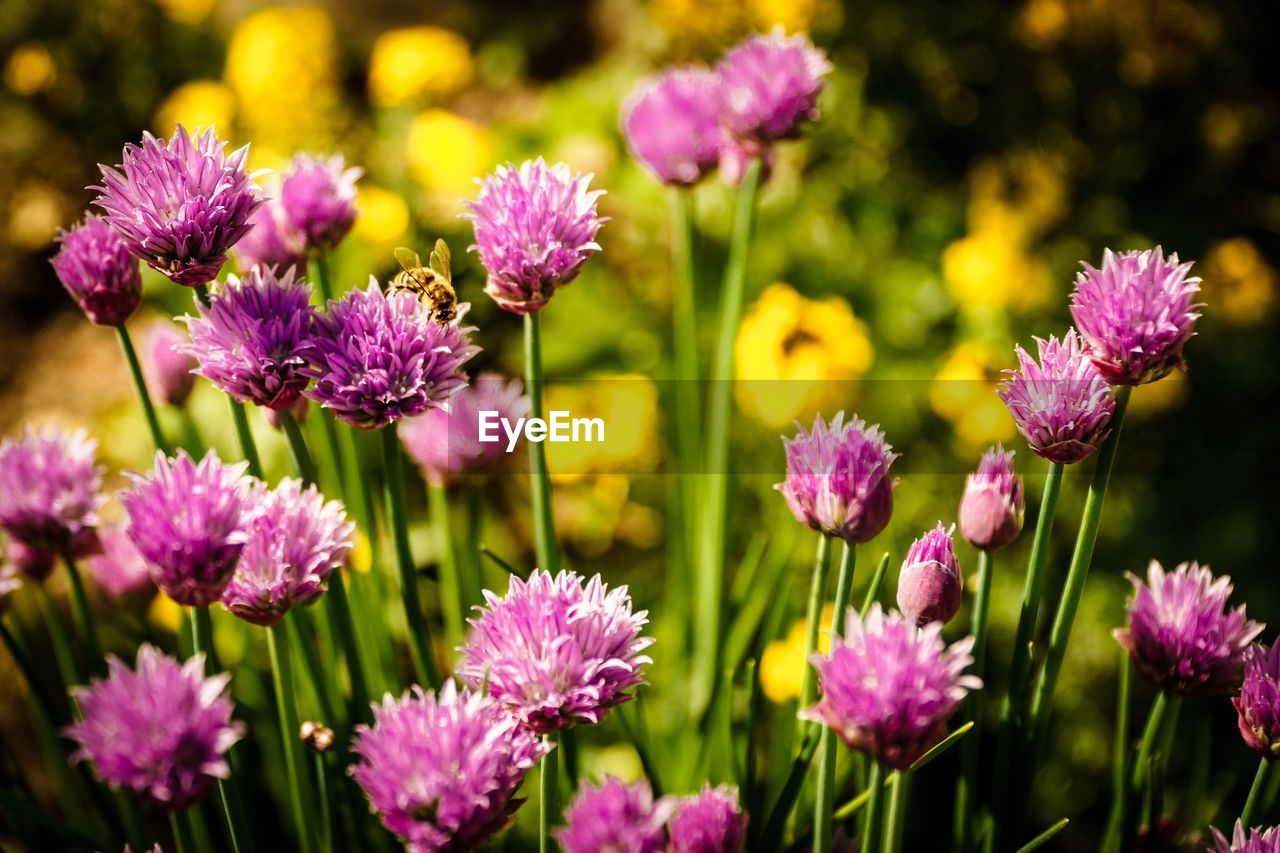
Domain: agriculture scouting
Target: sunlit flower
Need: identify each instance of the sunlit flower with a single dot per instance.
(318, 196)
(930, 584)
(1256, 840)
(197, 103)
(535, 229)
(50, 490)
(446, 444)
(672, 124)
(1239, 283)
(710, 821)
(770, 86)
(961, 394)
(384, 216)
(445, 151)
(270, 242)
(418, 64)
(993, 504)
(1258, 705)
(168, 370)
(782, 664)
(95, 267)
(120, 570)
(161, 730)
(615, 816)
(180, 204)
(1181, 635)
(442, 771)
(556, 651)
(888, 687)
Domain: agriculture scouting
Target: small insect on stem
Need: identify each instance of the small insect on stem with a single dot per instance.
(432, 283)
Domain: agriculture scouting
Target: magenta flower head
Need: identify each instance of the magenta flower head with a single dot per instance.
(1258, 705)
(251, 339)
(1256, 840)
(1181, 636)
(442, 771)
(120, 570)
(838, 478)
(188, 521)
(769, 86)
(672, 124)
(556, 651)
(50, 492)
(447, 445)
(1062, 405)
(270, 242)
(95, 267)
(161, 730)
(708, 822)
(615, 816)
(1136, 314)
(180, 205)
(318, 195)
(168, 370)
(930, 584)
(888, 687)
(296, 540)
(535, 228)
(379, 358)
(993, 504)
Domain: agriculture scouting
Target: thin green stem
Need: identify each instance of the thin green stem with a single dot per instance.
(83, 617)
(825, 797)
(1139, 774)
(398, 518)
(548, 801)
(337, 600)
(1044, 837)
(183, 839)
(710, 566)
(58, 639)
(896, 822)
(1120, 756)
(287, 707)
(326, 809)
(316, 681)
(684, 322)
(452, 596)
(544, 526)
(302, 460)
(813, 623)
(323, 280)
(20, 656)
(228, 789)
(140, 386)
(873, 588)
(967, 785)
(1259, 782)
(874, 809)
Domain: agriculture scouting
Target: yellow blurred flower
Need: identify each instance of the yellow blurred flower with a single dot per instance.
(1025, 190)
(594, 511)
(783, 662)
(384, 216)
(792, 355)
(963, 393)
(163, 613)
(718, 22)
(186, 11)
(418, 65)
(200, 103)
(446, 152)
(1156, 398)
(991, 268)
(361, 558)
(1239, 284)
(30, 69)
(628, 405)
(35, 212)
(794, 15)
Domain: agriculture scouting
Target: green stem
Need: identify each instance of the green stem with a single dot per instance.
(398, 519)
(286, 704)
(323, 278)
(1073, 588)
(58, 639)
(1120, 756)
(326, 809)
(873, 588)
(183, 838)
(1136, 784)
(22, 659)
(825, 797)
(140, 386)
(83, 617)
(967, 785)
(548, 790)
(341, 605)
(544, 526)
(302, 460)
(813, 624)
(710, 566)
(453, 601)
(228, 789)
(895, 824)
(875, 800)
(684, 328)
(1259, 781)
(318, 685)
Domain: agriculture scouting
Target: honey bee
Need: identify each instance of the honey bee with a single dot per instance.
(432, 284)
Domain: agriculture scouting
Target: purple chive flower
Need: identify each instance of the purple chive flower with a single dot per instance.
(50, 492)
(709, 822)
(168, 370)
(1256, 840)
(1181, 636)
(32, 563)
(188, 521)
(556, 651)
(296, 540)
(888, 687)
(10, 582)
(615, 816)
(161, 730)
(318, 195)
(769, 86)
(270, 242)
(1258, 704)
(251, 339)
(672, 124)
(1136, 314)
(95, 267)
(838, 478)
(442, 771)
(993, 504)
(1062, 405)
(180, 205)
(930, 584)
(447, 445)
(120, 570)
(535, 228)
(380, 358)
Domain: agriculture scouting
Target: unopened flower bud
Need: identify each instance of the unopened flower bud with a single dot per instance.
(993, 505)
(930, 584)
(317, 736)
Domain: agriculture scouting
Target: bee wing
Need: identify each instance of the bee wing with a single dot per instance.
(442, 261)
(410, 263)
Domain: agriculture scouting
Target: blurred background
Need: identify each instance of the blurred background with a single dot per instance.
(969, 155)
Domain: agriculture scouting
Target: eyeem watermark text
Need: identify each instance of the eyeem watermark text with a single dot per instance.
(558, 427)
